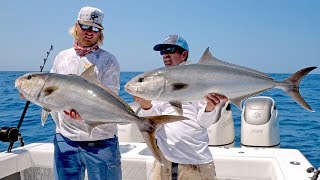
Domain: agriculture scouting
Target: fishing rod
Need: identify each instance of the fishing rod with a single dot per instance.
(13, 134)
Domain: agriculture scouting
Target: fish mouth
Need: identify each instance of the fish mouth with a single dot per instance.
(17, 84)
(131, 89)
(127, 88)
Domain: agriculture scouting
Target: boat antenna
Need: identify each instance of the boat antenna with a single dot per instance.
(12, 134)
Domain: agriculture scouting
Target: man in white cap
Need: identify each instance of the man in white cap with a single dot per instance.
(184, 144)
(74, 149)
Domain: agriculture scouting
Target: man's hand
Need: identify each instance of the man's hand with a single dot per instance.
(144, 104)
(214, 100)
(73, 114)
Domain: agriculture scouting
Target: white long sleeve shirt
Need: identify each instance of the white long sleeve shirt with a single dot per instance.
(185, 141)
(108, 73)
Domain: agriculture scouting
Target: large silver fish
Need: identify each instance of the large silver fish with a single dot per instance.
(95, 104)
(193, 81)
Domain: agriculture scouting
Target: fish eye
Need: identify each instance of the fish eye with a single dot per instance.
(29, 77)
(140, 79)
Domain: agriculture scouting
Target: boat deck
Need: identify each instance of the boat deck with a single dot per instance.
(35, 161)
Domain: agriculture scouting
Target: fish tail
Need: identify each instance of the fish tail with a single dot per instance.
(148, 132)
(291, 86)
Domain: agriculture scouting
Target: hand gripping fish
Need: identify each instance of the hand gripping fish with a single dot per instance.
(192, 82)
(95, 103)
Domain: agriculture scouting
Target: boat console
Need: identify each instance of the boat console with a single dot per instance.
(259, 123)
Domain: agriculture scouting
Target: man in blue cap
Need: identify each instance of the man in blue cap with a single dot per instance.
(174, 50)
(184, 144)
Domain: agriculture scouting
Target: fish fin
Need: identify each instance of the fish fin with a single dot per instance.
(238, 100)
(90, 76)
(89, 130)
(177, 106)
(44, 116)
(49, 90)
(87, 65)
(91, 126)
(148, 133)
(208, 59)
(150, 140)
(94, 124)
(117, 97)
(122, 101)
(291, 87)
(178, 86)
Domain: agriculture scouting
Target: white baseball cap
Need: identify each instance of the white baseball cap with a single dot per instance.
(91, 16)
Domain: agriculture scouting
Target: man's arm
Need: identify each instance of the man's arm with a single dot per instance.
(211, 113)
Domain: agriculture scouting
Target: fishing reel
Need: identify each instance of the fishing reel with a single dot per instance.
(315, 172)
(11, 134)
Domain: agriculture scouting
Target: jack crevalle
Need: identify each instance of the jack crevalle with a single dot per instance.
(191, 82)
(95, 104)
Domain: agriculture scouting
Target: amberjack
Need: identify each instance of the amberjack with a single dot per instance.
(96, 104)
(191, 82)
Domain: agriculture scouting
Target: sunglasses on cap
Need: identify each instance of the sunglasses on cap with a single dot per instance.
(87, 27)
(168, 50)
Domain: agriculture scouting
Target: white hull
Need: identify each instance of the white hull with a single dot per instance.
(35, 161)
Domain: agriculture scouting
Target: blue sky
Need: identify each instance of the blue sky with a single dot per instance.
(270, 36)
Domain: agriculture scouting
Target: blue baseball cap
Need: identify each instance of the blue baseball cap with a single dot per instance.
(175, 40)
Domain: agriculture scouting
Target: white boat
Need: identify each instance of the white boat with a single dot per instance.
(35, 161)
(260, 157)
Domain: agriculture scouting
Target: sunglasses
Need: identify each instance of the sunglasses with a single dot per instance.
(168, 50)
(87, 27)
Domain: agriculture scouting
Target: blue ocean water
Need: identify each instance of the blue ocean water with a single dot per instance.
(299, 129)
